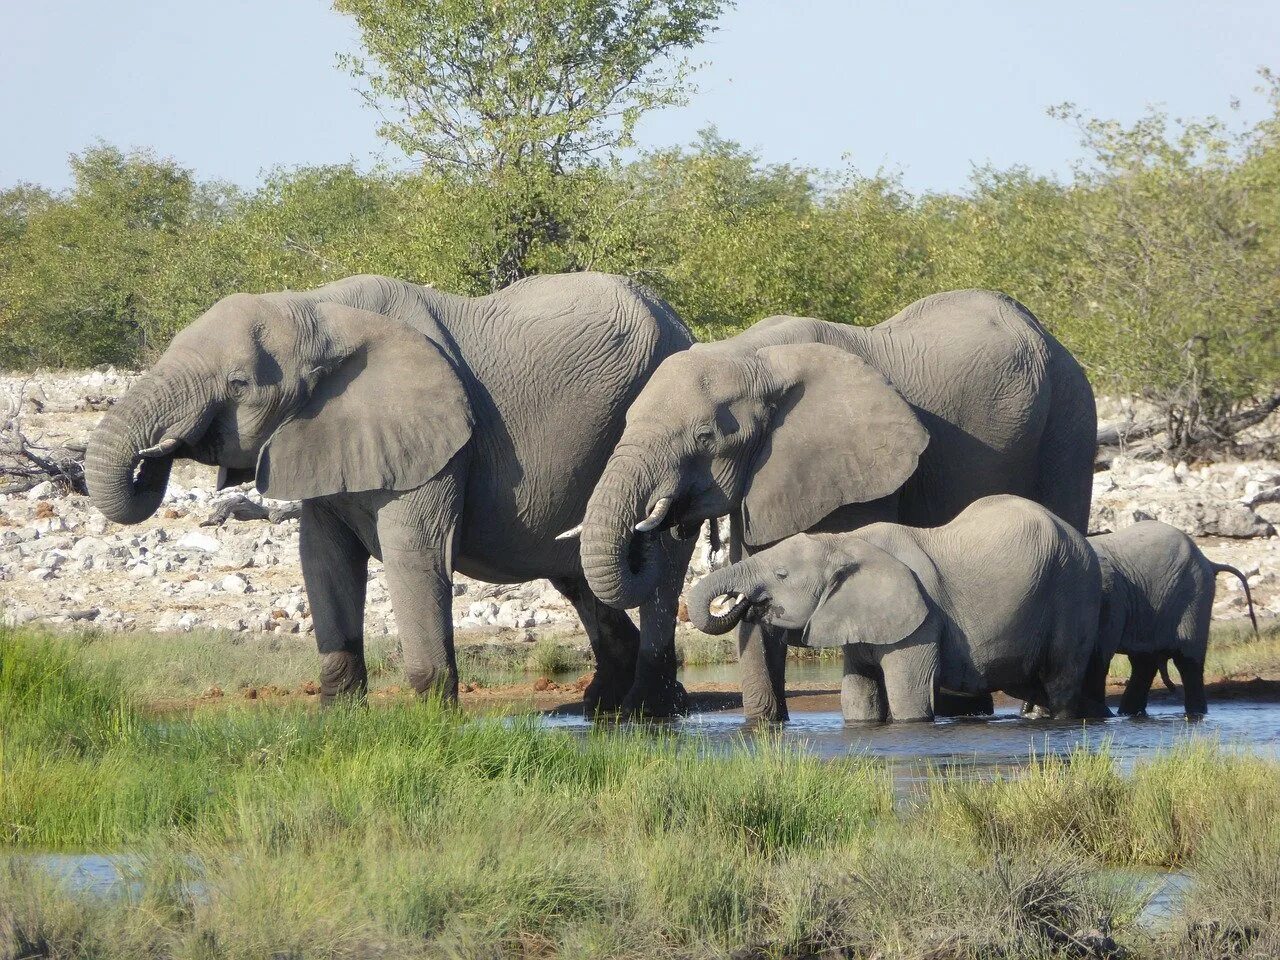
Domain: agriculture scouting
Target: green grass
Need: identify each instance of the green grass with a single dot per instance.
(413, 830)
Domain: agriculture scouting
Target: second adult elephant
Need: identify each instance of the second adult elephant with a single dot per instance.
(802, 425)
(437, 433)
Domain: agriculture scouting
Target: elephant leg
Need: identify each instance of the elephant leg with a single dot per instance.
(656, 692)
(421, 588)
(910, 680)
(1093, 700)
(1192, 673)
(615, 642)
(335, 569)
(1143, 668)
(762, 656)
(862, 695)
(417, 532)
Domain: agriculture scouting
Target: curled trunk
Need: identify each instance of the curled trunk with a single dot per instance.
(727, 582)
(126, 486)
(621, 564)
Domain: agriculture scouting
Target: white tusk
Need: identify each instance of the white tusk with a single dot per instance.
(725, 602)
(571, 533)
(656, 517)
(161, 449)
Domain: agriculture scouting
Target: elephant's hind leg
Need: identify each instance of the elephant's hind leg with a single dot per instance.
(335, 568)
(1192, 673)
(615, 642)
(1142, 672)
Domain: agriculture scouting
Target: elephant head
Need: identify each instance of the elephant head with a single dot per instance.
(312, 398)
(785, 434)
(837, 589)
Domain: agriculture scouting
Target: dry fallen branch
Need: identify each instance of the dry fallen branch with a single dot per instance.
(25, 463)
(241, 507)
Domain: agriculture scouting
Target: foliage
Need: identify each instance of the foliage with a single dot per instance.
(481, 86)
(509, 100)
(1157, 263)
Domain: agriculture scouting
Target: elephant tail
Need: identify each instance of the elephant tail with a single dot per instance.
(1227, 568)
(1164, 675)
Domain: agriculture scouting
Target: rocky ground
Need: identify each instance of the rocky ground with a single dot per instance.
(63, 563)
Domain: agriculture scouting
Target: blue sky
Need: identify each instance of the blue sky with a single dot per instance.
(233, 87)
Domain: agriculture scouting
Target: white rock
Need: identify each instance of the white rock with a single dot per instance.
(233, 583)
(40, 491)
(199, 541)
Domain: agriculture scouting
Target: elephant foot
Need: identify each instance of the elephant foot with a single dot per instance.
(656, 701)
(771, 710)
(432, 684)
(603, 696)
(343, 678)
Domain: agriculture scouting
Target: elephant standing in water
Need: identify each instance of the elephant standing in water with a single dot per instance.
(801, 425)
(435, 432)
(1004, 597)
(1157, 601)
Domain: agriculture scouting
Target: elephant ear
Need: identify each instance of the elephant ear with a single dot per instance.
(388, 412)
(877, 599)
(840, 434)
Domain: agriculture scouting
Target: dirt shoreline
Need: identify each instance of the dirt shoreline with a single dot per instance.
(564, 699)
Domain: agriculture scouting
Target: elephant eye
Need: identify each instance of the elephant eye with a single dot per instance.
(705, 434)
(238, 386)
(780, 573)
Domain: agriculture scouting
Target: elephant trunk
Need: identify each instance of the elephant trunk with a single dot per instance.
(131, 452)
(727, 582)
(622, 564)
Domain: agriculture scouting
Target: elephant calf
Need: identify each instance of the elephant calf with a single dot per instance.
(1004, 597)
(1157, 600)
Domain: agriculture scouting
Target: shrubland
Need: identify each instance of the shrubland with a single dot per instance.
(1157, 262)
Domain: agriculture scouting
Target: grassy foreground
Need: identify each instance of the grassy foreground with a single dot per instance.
(413, 831)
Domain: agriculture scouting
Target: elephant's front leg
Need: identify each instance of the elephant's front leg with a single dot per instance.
(910, 679)
(656, 692)
(416, 534)
(335, 568)
(862, 696)
(762, 658)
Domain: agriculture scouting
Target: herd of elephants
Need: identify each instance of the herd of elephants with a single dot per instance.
(916, 492)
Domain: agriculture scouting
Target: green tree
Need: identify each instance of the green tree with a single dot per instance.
(508, 96)
(80, 280)
(1176, 288)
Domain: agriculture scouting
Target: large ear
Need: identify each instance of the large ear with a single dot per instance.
(840, 434)
(876, 599)
(387, 412)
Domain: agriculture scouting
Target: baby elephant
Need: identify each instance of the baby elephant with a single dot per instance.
(1157, 599)
(1004, 597)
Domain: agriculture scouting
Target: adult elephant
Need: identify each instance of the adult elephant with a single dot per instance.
(435, 432)
(801, 425)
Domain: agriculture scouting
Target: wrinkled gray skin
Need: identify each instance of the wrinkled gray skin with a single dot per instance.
(1004, 597)
(434, 432)
(801, 425)
(1157, 601)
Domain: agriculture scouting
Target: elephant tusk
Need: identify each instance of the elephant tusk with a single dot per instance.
(161, 449)
(724, 603)
(571, 533)
(655, 517)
